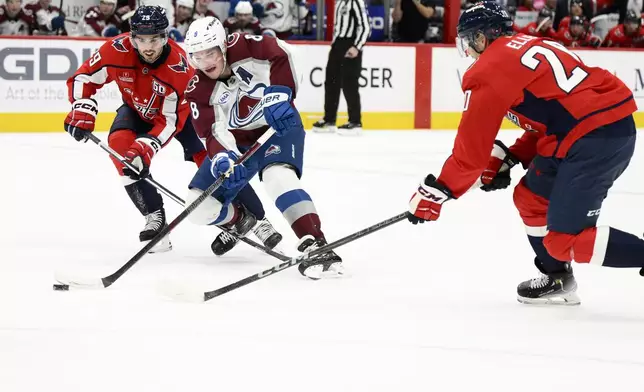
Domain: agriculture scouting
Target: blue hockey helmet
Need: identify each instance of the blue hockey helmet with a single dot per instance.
(149, 20)
(486, 18)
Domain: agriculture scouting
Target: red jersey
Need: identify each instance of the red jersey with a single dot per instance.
(563, 24)
(531, 29)
(540, 86)
(232, 25)
(585, 40)
(155, 91)
(617, 37)
(228, 113)
(21, 24)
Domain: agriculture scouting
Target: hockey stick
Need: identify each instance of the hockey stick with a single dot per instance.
(187, 294)
(176, 198)
(110, 279)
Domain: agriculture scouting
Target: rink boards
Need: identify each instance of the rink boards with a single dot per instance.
(402, 86)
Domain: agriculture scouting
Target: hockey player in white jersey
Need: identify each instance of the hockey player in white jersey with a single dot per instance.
(281, 15)
(244, 84)
(15, 20)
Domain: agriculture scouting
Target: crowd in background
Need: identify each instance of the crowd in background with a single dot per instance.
(586, 23)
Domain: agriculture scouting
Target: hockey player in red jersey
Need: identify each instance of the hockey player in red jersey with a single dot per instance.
(243, 21)
(14, 20)
(578, 34)
(576, 9)
(579, 137)
(542, 27)
(630, 34)
(152, 74)
(244, 84)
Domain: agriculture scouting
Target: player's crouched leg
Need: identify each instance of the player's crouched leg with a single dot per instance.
(281, 171)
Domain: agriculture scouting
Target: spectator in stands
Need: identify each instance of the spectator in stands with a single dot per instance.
(48, 19)
(412, 19)
(576, 9)
(565, 8)
(630, 34)
(578, 34)
(526, 5)
(543, 26)
(14, 20)
(202, 10)
(99, 21)
(243, 21)
(258, 9)
(182, 19)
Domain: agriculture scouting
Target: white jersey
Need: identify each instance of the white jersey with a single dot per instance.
(18, 25)
(281, 15)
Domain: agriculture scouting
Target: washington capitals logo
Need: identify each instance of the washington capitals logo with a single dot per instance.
(118, 45)
(181, 67)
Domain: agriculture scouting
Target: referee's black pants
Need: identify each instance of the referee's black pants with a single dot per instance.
(342, 73)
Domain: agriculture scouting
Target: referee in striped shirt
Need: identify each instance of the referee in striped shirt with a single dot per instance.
(350, 33)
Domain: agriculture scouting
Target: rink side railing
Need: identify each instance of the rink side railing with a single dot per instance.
(403, 86)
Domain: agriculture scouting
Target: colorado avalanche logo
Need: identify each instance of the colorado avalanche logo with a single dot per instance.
(118, 45)
(247, 108)
(181, 67)
(272, 150)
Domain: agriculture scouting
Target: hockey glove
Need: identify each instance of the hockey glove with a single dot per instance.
(81, 120)
(426, 203)
(140, 156)
(224, 164)
(278, 111)
(497, 173)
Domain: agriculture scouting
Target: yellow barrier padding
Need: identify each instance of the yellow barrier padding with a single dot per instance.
(53, 122)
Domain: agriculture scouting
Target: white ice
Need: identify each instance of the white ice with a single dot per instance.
(426, 308)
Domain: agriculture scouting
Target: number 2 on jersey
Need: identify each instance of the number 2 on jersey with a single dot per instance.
(566, 83)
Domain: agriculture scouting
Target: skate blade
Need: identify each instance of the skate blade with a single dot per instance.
(350, 132)
(164, 246)
(324, 130)
(571, 299)
(317, 272)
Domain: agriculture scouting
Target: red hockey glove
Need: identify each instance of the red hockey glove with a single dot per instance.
(497, 173)
(426, 203)
(81, 120)
(140, 156)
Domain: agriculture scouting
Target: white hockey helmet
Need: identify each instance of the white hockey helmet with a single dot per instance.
(109, 2)
(186, 3)
(244, 8)
(203, 34)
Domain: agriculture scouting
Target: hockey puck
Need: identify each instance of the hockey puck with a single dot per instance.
(61, 287)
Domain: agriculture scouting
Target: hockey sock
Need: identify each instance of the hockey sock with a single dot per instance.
(250, 200)
(144, 196)
(549, 263)
(296, 205)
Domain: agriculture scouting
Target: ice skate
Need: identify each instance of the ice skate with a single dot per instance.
(549, 289)
(350, 129)
(154, 223)
(325, 265)
(225, 241)
(322, 126)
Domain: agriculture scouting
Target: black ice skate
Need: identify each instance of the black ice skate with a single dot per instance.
(325, 265)
(154, 223)
(550, 289)
(322, 126)
(264, 231)
(350, 129)
(225, 241)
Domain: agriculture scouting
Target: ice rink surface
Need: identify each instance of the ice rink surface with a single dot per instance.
(426, 308)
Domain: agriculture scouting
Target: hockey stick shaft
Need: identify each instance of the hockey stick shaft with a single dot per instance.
(127, 164)
(109, 280)
(297, 260)
(173, 196)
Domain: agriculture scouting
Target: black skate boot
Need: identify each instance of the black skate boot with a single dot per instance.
(154, 223)
(266, 233)
(324, 265)
(225, 241)
(322, 126)
(350, 129)
(549, 288)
